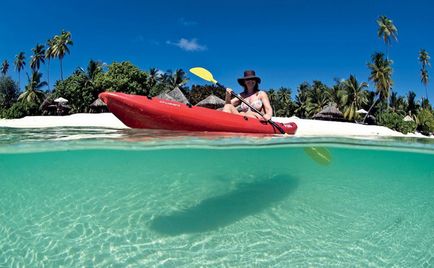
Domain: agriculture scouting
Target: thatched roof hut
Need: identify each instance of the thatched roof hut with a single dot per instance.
(408, 118)
(98, 106)
(61, 100)
(98, 103)
(330, 113)
(175, 94)
(59, 109)
(212, 102)
(165, 96)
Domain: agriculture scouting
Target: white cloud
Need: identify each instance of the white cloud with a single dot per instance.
(188, 45)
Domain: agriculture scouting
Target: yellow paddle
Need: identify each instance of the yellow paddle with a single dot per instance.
(207, 75)
(319, 154)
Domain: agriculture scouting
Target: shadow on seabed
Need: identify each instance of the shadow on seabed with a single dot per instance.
(219, 211)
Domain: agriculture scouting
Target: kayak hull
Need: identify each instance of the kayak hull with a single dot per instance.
(153, 113)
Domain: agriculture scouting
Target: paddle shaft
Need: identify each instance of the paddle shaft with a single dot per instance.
(253, 109)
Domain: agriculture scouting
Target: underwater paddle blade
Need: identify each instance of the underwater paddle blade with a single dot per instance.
(204, 74)
(320, 155)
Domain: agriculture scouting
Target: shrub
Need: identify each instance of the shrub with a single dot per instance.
(425, 122)
(8, 93)
(21, 109)
(395, 121)
(122, 77)
(78, 90)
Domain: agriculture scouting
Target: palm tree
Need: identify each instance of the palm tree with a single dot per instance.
(19, 65)
(387, 30)
(412, 105)
(354, 98)
(284, 100)
(397, 103)
(60, 48)
(272, 96)
(318, 98)
(393, 100)
(37, 57)
(93, 68)
(301, 100)
(33, 93)
(381, 75)
(177, 79)
(337, 93)
(426, 105)
(153, 78)
(424, 60)
(49, 54)
(401, 105)
(5, 67)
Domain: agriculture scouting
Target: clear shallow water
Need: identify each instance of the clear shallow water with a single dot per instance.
(100, 197)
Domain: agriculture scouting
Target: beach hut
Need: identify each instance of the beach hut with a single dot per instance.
(212, 102)
(165, 96)
(175, 94)
(61, 106)
(361, 111)
(55, 107)
(408, 118)
(98, 106)
(368, 120)
(48, 107)
(61, 100)
(330, 113)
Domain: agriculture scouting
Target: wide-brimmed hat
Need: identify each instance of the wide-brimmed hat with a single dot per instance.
(249, 74)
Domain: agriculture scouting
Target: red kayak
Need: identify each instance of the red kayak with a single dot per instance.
(153, 113)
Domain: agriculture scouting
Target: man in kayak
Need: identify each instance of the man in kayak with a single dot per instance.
(258, 99)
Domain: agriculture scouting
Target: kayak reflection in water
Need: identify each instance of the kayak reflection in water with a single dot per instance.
(258, 99)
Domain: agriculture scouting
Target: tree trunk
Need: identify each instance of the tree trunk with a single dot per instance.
(61, 70)
(387, 51)
(48, 74)
(370, 108)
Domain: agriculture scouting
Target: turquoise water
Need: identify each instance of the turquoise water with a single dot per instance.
(100, 197)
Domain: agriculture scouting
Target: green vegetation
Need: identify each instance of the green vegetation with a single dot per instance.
(19, 65)
(60, 47)
(395, 121)
(424, 60)
(350, 95)
(387, 30)
(8, 93)
(123, 77)
(4, 67)
(425, 121)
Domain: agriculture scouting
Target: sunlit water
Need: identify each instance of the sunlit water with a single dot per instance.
(100, 197)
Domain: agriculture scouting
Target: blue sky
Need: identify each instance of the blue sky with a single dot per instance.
(286, 42)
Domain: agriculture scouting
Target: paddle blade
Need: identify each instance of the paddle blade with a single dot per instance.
(321, 155)
(204, 74)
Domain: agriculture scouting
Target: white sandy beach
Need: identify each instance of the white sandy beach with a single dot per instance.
(306, 127)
